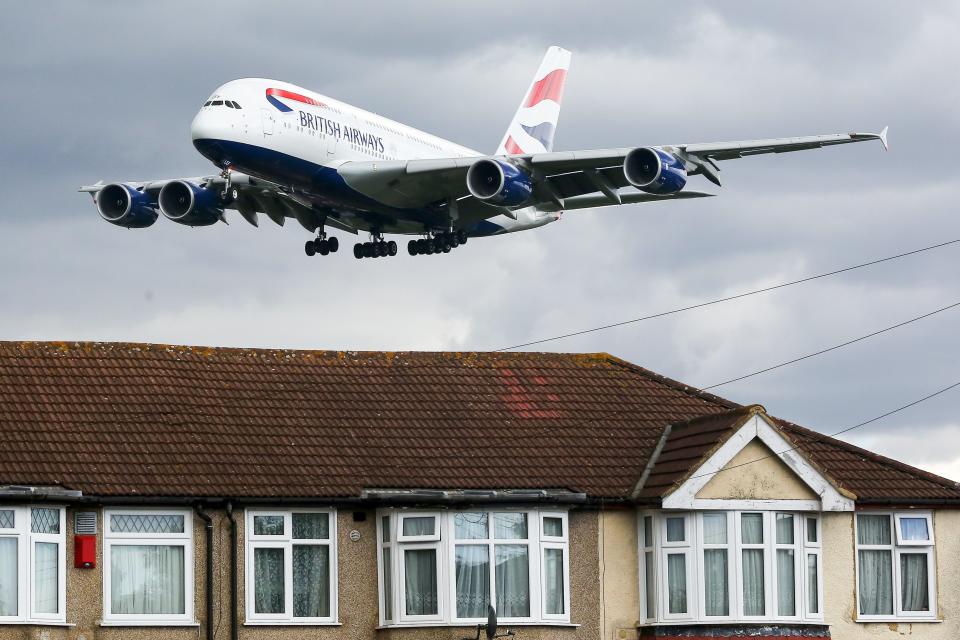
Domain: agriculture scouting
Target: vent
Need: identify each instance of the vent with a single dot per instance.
(85, 523)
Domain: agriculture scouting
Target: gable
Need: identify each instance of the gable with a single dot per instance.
(756, 473)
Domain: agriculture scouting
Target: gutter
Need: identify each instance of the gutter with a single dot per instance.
(208, 604)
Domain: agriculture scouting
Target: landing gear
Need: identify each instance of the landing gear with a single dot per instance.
(440, 243)
(377, 248)
(322, 245)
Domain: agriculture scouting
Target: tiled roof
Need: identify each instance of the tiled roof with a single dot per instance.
(118, 419)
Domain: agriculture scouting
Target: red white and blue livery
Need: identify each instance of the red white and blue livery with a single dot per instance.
(287, 152)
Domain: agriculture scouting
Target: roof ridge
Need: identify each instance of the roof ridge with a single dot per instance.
(890, 462)
(670, 382)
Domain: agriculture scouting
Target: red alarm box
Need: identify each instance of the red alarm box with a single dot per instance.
(85, 552)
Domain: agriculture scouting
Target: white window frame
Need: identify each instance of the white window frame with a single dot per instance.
(26, 540)
(185, 539)
(694, 548)
(897, 548)
(286, 541)
(444, 542)
(646, 613)
(435, 537)
(898, 530)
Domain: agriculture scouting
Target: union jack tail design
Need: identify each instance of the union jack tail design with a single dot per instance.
(533, 126)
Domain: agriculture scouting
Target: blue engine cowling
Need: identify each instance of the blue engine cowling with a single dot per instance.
(191, 204)
(499, 182)
(125, 206)
(654, 170)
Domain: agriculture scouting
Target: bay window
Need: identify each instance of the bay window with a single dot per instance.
(148, 567)
(291, 567)
(716, 566)
(895, 568)
(447, 566)
(32, 564)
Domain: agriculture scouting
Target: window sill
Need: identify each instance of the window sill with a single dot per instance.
(734, 623)
(148, 623)
(289, 623)
(473, 625)
(888, 619)
(38, 623)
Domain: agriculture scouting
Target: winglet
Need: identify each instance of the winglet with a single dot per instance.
(883, 139)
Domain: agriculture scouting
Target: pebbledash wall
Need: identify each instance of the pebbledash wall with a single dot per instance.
(358, 599)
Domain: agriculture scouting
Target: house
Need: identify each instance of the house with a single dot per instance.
(167, 492)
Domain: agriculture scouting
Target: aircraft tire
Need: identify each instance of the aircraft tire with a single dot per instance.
(462, 236)
(309, 249)
(334, 244)
(421, 247)
(369, 250)
(412, 247)
(392, 248)
(358, 251)
(446, 247)
(322, 246)
(431, 247)
(380, 249)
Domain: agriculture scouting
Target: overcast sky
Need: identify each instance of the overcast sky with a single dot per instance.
(107, 90)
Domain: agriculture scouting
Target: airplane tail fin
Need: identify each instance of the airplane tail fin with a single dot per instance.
(533, 126)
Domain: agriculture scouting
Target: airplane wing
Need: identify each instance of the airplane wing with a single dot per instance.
(562, 178)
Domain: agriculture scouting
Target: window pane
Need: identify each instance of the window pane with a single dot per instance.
(553, 527)
(45, 573)
(146, 523)
(419, 526)
(813, 581)
(873, 529)
(811, 530)
(470, 526)
(385, 528)
(387, 585)
(510, 526)
(311, 526)
(513, 580)
(716, 589)
(876, 582)
(268, 580)
(675, 530)
(8, 577)
(715, 528)
(913, 582)
(784, 528)
(677, 582)
(650, 584)
(786, 587)
(147, 579)
(751, 528)
(420, 567)
(553, 578)
(753, 595)
(311, 581)
(914, 529)
(648, 531)
(45, 520)
(473, 580)
(6, 518)
(268, 525)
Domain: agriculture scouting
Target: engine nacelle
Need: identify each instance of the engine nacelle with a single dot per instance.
(499, 182)
(654, 171)
(192, 204)
(125, 206)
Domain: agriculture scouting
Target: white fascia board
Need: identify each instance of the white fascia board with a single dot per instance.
(684, 496)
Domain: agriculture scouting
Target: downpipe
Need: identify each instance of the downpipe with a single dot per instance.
(208, 605)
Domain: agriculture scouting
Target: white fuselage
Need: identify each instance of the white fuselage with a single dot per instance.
(288, 135)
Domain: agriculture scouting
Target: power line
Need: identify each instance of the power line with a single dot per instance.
(833, 348)
(726, 299)
(837, 433)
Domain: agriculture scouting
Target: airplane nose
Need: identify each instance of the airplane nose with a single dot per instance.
(207, 134)
(202, 127)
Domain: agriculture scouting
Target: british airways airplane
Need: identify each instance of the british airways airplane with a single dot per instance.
(290, 153)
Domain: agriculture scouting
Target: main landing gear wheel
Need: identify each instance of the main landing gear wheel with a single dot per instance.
(309, 249)
(441, 243)
(322, 246)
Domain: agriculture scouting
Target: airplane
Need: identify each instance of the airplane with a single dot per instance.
(288, 152)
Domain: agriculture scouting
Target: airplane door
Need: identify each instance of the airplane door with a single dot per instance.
(266, 119)
(331, 144)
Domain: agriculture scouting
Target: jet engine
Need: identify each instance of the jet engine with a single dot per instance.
(499, 182)
(654, 171)
(124, 206)
(191, 204)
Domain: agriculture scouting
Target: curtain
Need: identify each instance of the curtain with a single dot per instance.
(716, 589)
(268, 580)
(675, 531)
(913, 581)
(784, 528)
(715, 528)
(266, 525)
(873, 529)
(513, 580)
(813, 595)
(45, 574)
(8, 577)
(473, 580)
(387, 585)
(553, 579)
(418, 526)
(420, 568)
(876, 582)
(553, 527)
(677, 582)
(311, 580)
(753, 594)
(914, 529)
(751, 528)
(510, 526)
(470, 526)
(311, 526)
(786, 585)
(147, 579)
(650, 583)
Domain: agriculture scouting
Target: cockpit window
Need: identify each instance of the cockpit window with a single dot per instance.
(236, 105)
(207, 103)
(216, 103)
